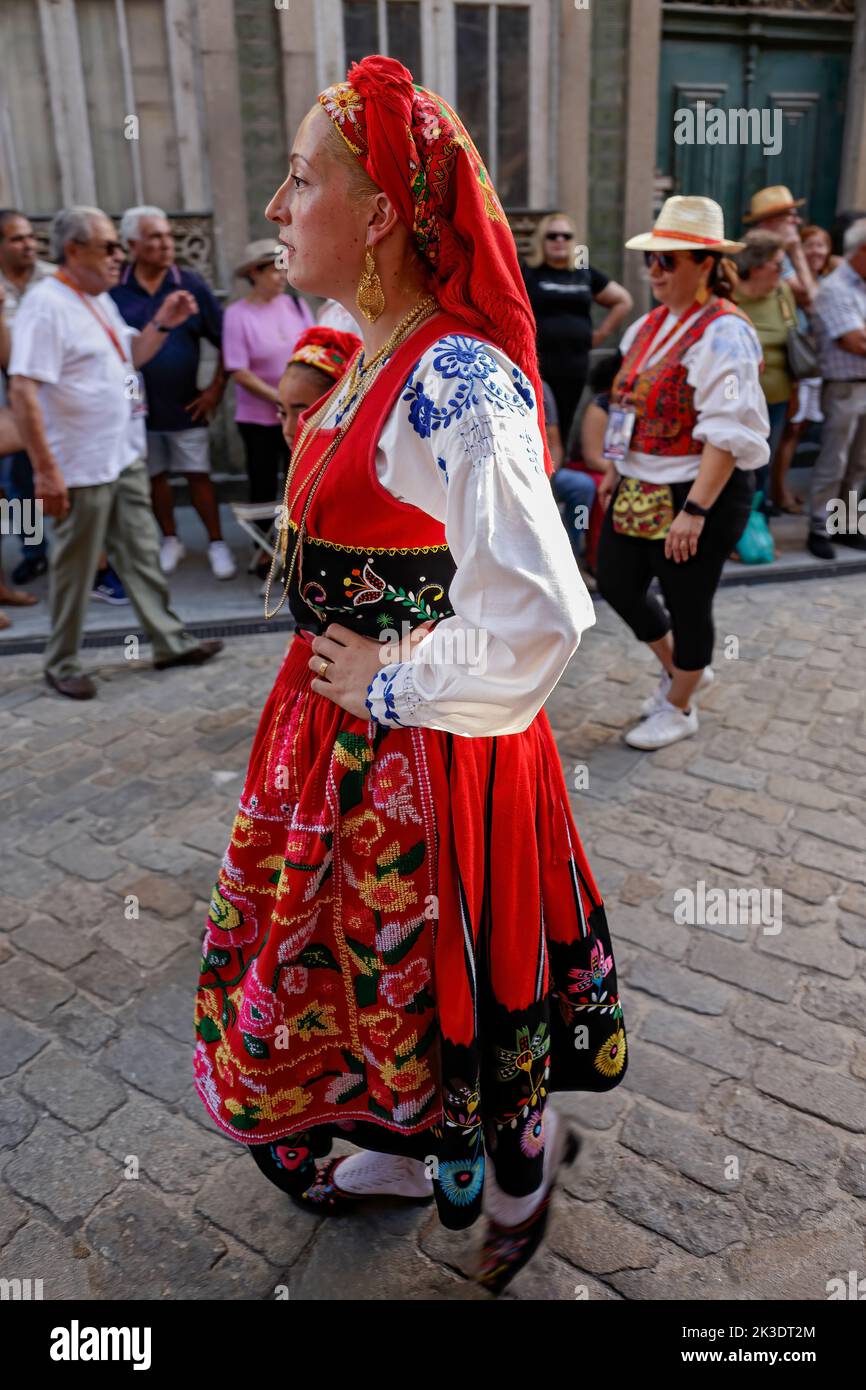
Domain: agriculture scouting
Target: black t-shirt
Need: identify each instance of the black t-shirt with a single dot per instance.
(562, 302)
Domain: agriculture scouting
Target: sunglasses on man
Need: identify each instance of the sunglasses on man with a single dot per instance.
(559, 236)
(109, 248)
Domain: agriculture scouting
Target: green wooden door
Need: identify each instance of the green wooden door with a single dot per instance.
(798, 67)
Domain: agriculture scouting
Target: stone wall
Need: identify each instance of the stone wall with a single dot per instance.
(607, 134)
(262, 107)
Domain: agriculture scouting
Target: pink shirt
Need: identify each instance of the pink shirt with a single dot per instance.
(260, 338)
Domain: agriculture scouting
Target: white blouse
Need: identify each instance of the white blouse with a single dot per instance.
(462, 443)
(723, 368)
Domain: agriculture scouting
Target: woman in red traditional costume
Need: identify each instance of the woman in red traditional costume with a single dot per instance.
(406, 948)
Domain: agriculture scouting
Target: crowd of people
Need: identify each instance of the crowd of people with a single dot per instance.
(805, 302)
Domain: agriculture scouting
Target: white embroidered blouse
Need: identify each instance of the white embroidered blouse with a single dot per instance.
(462, 443)
(723, 368)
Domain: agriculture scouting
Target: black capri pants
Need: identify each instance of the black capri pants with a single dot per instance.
(627, 565)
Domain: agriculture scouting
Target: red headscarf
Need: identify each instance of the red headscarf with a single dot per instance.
(417, 150)
(326, 348)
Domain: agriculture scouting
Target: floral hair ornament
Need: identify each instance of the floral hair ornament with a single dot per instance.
(326, 348)
(416, 149)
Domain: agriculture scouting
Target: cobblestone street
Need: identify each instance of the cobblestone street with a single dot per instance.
(731, 1163)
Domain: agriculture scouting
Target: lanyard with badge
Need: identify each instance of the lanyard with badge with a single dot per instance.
(134, 380)
(621, 418)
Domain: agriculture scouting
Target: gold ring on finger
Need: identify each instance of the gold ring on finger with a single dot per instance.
(323, 667)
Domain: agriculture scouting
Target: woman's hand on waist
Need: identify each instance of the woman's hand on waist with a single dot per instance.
(351, 663)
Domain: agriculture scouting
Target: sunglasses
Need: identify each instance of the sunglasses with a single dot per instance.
(109, 248)
(559, 236)
(665, 260)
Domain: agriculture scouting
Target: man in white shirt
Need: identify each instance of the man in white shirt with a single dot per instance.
(840, 469)
(76, 398)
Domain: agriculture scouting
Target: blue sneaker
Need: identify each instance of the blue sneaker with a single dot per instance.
(108, 587)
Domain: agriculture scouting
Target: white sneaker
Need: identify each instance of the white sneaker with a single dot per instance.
(653, 703)
(171, 552)
(667, 725)
(221, 562)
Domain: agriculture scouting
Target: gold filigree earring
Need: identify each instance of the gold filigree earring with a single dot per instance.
(370, 297)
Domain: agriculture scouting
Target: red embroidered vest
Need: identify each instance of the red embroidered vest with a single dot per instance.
(661, 395)
(369, 561)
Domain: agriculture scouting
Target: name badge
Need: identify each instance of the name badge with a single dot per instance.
(617, 436)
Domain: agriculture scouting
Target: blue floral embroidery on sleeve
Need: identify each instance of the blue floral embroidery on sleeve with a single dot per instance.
(420, 411)
(442, 465)
(386, 694)
(477, 378)
(730, 335)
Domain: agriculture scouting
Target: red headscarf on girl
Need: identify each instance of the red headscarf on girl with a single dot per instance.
(417, 150)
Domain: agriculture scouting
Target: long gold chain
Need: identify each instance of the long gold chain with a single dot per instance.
(421, 311)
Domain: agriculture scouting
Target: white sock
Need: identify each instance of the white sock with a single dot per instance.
(370, 1172)
(508, 1210)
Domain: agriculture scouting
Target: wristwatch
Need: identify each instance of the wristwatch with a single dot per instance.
(695, 508)
(161, 327)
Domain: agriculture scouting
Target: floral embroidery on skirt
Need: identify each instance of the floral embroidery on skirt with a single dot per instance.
(405, 948)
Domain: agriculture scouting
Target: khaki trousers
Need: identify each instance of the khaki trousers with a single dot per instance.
(840, 467)
(116, 517)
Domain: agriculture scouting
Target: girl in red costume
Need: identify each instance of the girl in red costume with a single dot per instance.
(406, 947)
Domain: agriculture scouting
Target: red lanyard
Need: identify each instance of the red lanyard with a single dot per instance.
(652, 346)
(97, 314)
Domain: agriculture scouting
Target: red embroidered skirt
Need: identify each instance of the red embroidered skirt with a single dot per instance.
(405, 948)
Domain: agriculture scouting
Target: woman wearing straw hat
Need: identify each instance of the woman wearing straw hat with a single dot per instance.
(259, 332)
(687, 428)
(406, 947)
(774, 209)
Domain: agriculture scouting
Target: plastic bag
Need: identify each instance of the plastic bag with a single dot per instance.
(755, 546)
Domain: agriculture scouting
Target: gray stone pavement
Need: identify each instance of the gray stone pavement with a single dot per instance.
(731, 1162)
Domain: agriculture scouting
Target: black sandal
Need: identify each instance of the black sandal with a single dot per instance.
(507, 1249)
(326, 1199)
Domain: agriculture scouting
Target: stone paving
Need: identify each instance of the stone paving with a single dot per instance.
(731, 1162)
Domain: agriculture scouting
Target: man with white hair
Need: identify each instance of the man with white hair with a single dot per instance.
(177, 412)
(74, 392)
(840, 468)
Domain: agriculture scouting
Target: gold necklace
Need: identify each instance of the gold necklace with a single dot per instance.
(421, 311)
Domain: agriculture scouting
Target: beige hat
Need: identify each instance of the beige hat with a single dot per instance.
(686, 224)
(257, 251)
(770, 202)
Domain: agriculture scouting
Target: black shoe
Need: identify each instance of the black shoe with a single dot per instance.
(29, 569)
(851, 538)
(194, 657)
(820, 547)
(75, 687)
(507, 1249)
